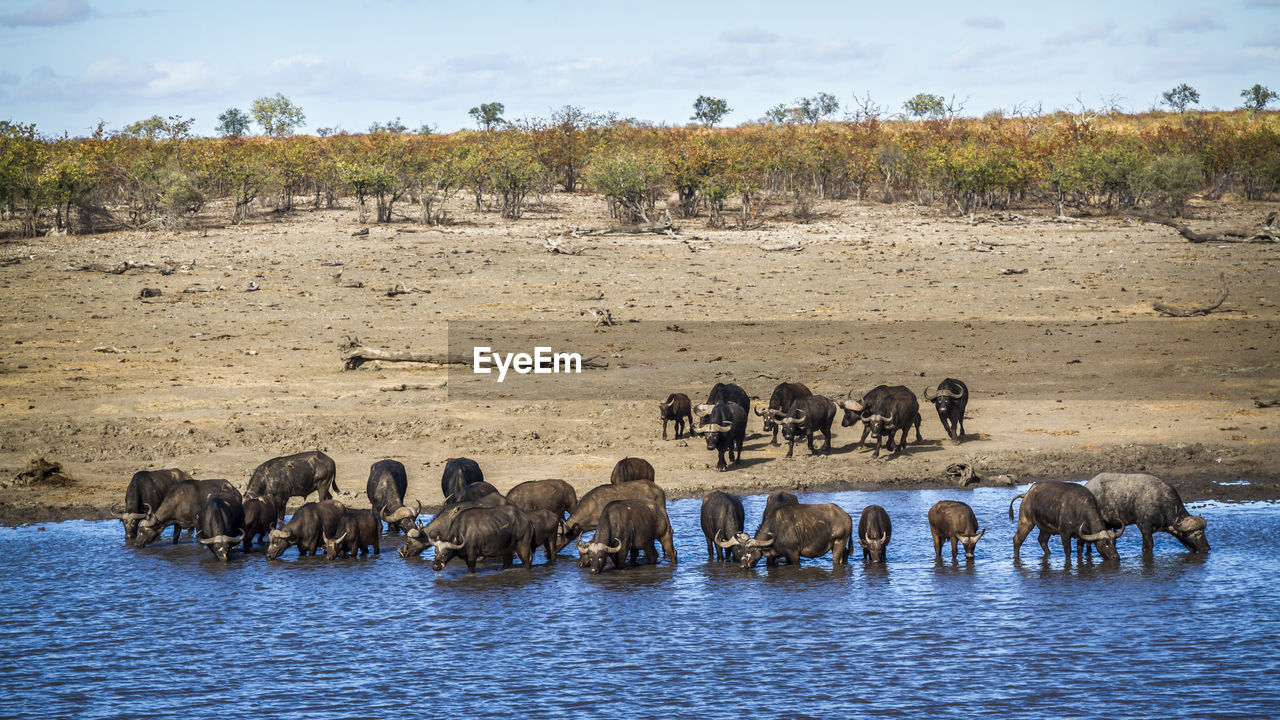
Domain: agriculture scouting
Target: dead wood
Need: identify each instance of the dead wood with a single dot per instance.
(1193, 312)
(1265, 234)
(1259, 402)
(121, 268)
(602, 316)
(791, 246)
(43, 472)
(1011, 271)
(355, 354)
(402, 289)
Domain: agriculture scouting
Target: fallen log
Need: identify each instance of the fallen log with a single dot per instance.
(1264, 234)
(1259, 402)
(355, 354)
(1172, 311)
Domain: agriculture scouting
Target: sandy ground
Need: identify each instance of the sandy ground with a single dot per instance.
(1071, 371)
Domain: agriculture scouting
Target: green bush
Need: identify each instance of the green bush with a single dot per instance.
(1168, 181)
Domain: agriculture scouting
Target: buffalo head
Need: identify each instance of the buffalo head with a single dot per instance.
(594, 554)
(1190, 532)
(279, 540)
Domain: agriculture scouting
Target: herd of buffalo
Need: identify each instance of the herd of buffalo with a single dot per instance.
(629, 515)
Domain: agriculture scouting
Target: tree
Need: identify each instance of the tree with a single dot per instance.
(488, 115)
(925, 105)
(1180, 98)
(817, 108)
(780, 114)
(233, 123)
(709, 111)
(175, 127)
(1257, 98)
(395, 127)
(277, 115)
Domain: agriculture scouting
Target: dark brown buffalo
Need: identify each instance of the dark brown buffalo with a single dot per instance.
(721, 392)
(853, 409)
(954, 521)
(307, 528)
(421, 536)
(631, 468)
(259, 519)
(476, 491)
(587, 514)
(677, 408)
(793, 531)
(806, 417)
(1150, 503)
(502, 531)
(294, 476)
(358, 530)
(950, 400)
(385, 489)
(874, 532)
(896, 410)
(777, 499)
(220, 524)
(146, 488)
(180, 507)
(627, 527)
(726, 429)
(546, 530)
(1066, 509)
(553, 495)
(779, 403)
(721, 516)
(458, 474)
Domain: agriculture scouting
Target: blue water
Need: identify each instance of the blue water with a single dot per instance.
(90, 628)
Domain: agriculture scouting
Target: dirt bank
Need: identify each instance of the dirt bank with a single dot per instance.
(238, 358)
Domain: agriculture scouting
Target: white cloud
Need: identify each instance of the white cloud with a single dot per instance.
(50, 12)
(749, 36)
(985, 22)
(1084, 34)
(975, 56)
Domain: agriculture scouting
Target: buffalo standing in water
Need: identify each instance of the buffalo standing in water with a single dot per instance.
(1066, 509)
(954, 521)
(180, 507)
(794, 530)
(385, 488)
(458, 474)
(502, 531)
(627, 527)
(220, 524)
(585, 517)
(721, 516)
(307, 528)
(294, 476)
(874, 532)
(146, 488)
(1150, 503)
(553, 495)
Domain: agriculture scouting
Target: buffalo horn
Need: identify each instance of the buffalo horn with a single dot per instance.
(613, 548)
(583, 548)
(717, 428)
(704, 409)
(753, 542)
(724, 543)
(757, 412)
(446, 545)
(1188, 524)
(282, 534)
(852, 405)
(929, 397)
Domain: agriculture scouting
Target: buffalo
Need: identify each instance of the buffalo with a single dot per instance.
(950, 400)
(294, 476)
(631, 468)
(546, 530)
(896, 410)
(954, 521)
(421, 536)
(480, 532)
(807, 416)
(458, 473)
(220, 524)
(627, 527)
(259, 519)
(1066, 509)
(180, 507)
(357, 531)
(146, 487)
(482, 489)
(721, 515)
(307, 528)
(385, 489)
(779, 403)
(677, 408)
(587, 514)
(1150, 503)
(553, 495)
(726, 429)
(874, 531)
(721, 392)
(853, 409)
(792, 531)
(777, 499)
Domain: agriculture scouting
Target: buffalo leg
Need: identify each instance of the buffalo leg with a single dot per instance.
(953, 548)
(711, 551)
(809, 439)
(1044, 541)
(1066, 546)
(1148, 542)
(668, 547)
(865, 431)
(176, 532)
(918, 438)
(664, 429)
(937, 543)
(826, 441)
(791, 445)
(1024, 529)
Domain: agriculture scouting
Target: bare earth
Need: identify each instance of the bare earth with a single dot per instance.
(1071, 371)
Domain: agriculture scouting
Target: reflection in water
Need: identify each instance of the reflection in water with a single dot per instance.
(89, 628)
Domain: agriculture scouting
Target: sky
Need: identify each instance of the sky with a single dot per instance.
(66, 65)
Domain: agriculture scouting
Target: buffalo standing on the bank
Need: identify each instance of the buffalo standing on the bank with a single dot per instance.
(896, 410)
(808, 416)
(677, 409)
(726, 429)
(720, 393)
(784, 395)
(950, 399)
